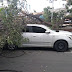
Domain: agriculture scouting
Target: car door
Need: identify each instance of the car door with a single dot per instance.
(36, 36)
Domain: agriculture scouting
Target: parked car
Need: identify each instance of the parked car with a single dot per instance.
(37, 35)
(67, 21)
(43, 36)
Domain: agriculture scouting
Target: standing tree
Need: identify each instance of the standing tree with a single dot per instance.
(57, 16)
(69, 2)
(68, 5)
(47, 14)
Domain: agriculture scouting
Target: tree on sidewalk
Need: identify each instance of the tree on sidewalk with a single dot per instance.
(56, 18)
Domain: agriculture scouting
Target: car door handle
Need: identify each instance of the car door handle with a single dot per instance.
(34, 36)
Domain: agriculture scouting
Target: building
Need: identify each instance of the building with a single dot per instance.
(3, 3)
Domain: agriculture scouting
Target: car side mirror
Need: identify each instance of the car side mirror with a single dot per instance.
(48, 32)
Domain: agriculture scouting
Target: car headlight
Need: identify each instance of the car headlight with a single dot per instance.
(70, 37)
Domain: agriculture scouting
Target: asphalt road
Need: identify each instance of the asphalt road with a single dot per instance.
(36, 61)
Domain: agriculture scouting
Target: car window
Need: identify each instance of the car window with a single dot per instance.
(36, 29)
(27, 29)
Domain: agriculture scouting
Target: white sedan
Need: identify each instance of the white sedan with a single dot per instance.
(37, 35)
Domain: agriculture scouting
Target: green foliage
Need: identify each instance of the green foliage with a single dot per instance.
(11, 25)
(56, 15)
(56, 18)
(47, 14)
(1, 9)
(69, 10)
(69, 2)
(2, 41)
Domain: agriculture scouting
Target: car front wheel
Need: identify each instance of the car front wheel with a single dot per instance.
(61, 46)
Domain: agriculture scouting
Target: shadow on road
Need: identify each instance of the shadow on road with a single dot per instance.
(37, 48)
(22, 51)
(42, 49)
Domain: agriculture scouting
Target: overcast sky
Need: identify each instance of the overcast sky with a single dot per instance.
(38, 5)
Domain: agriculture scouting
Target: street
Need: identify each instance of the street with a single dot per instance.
(42, 60)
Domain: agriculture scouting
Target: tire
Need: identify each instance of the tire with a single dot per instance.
(61, 46)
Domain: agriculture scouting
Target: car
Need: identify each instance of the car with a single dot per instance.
(38, 35)
(67, 21)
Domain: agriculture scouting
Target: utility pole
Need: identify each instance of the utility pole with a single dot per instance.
(52, 11)
(52, 1)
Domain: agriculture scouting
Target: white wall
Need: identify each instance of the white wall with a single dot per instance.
(4, 3)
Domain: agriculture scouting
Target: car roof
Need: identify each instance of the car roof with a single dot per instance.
(35, 25)
(39, 25)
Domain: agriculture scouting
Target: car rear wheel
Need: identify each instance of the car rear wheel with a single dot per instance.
(61, 46)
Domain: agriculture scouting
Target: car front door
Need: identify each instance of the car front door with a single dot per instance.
(36, 36)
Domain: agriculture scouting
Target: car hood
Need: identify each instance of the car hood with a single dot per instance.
(61, 32)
